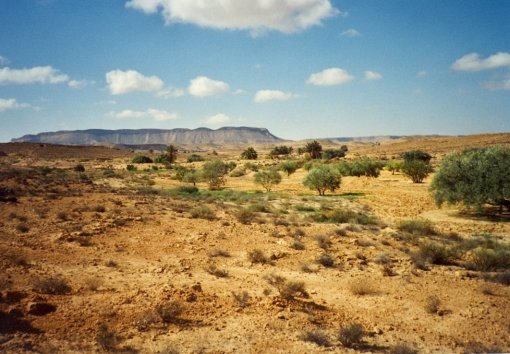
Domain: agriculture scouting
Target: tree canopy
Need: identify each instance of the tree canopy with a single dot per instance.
(322, 178)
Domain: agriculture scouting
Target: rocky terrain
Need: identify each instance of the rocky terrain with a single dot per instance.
(102, 259)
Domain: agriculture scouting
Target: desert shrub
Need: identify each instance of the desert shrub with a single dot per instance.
(314, 148)
(141, 159)
(330, 154)
(251, 166)
(288, 289)
(170, 311)
(402, 348)
(242, 298)
(362, 287)
(111, 263)
(280, 150)
(238, 172)
(260, 208)
(323, 241)
(317, 337)
(245, 216)
(195, 158)
(394, 166)
(305, 208)
(203, 212)
(307, 166)
(131, 167)
(417, 227)
(249, 154)
(289, 167)
(382, 258)
(99, 208)
(298, 245)
(217, 272)
(363, 166)
(474, 177)
(414, 155)
(340, 216)
(258, 256)
(187, 189)
(483, 259)
(79, 168)
(267, 178)
(213, 172)
(352, 335)
(416, 170)
(436, 253)
(322, 178)
(219, 253)
(51, 285)
(107, 339)
(326, 260)
(432, 304)
(502, 278)
(180, 172)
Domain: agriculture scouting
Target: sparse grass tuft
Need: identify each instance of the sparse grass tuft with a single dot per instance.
(52, 285)
(362, 287)
(298, 245)
(242, 298)
(245, 216)
(489, 260)
(403, 348)
(323, 241)
(219, 253)
(317, 337)
(352, 335)
(217, 272)
(202, 212)
(417, 227)
(258, 256)
(326, 260)
(288, 289)
(339, 216)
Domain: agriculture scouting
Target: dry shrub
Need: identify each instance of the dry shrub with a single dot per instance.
(93, 283)
(22, 227)
(203, 212)
(362, 287)
(170, 311)
(258, 256)
(323, 241)
(288, 289)
(107, 339)
(298, 245)
(326, 260)
(219, 253)
(432, 304)
(217, 272)
(52, 285)
(317, 337)
(242, 298)
(417, 227)
(403, 348)
(352, 335)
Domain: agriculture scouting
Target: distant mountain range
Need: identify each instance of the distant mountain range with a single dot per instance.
(225, 135)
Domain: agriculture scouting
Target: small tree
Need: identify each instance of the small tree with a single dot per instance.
(213, 172)
(268, 178)
(417, 155)
(417, 170)
(322, 178)
(474, 177)
(171, 153)
(191, 176)
(289, 167)
(141, 159)
(249, 154)
(314, 148)
(394, 166)
(329, 154)
(277, 151)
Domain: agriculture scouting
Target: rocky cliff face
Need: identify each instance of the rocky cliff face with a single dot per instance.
(226, 135)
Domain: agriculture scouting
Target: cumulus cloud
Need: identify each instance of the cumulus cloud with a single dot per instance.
(38, 74)
(330, 77)
(220, 118)
(500, 83)
(11, 103)
(121, 82)
(256, 16)
(472, 62)
(272, 95)
(79, 84)
(155, 114)
(351, 33)
(372, 75)
(203, 86)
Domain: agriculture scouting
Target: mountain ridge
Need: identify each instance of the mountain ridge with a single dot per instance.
(202, 135)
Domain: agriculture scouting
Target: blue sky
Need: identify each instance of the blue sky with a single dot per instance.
(301, 68)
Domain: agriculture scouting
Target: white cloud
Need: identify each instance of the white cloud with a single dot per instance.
(203, 86)
(38, 74)
(11, 103)
(500, 83)
(272, 95)
(170, 93)
(257, 16)
(121, 82)
(155, 114)
(372, 75)
(351, 33)
(79, 84)
(422, 73)
(3, 61)
(472, 62)
(217, 119)
(330, 77)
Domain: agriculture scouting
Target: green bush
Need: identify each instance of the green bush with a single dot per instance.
(267, 178)
(490, 260)
(202, 212)
(330, 154)
(364, 166)
(340, 216)
(289, 167)
(131, 167)
(314, 148)
(394, 166)
(249, 154)
(416, 155)
(416, 170)
(474, 177)
(436, 253)
(322, 178)
(141, 159)
(280, 150)
(195, 158)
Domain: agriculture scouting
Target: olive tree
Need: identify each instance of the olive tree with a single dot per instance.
(314, 148)
(249, 154)
(322, 178)
(213, 172)
(289, 167)
(268, 178)
(474, 177)
(417, 170)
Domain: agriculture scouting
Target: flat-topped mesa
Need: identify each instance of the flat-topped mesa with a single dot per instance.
(225, 135)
